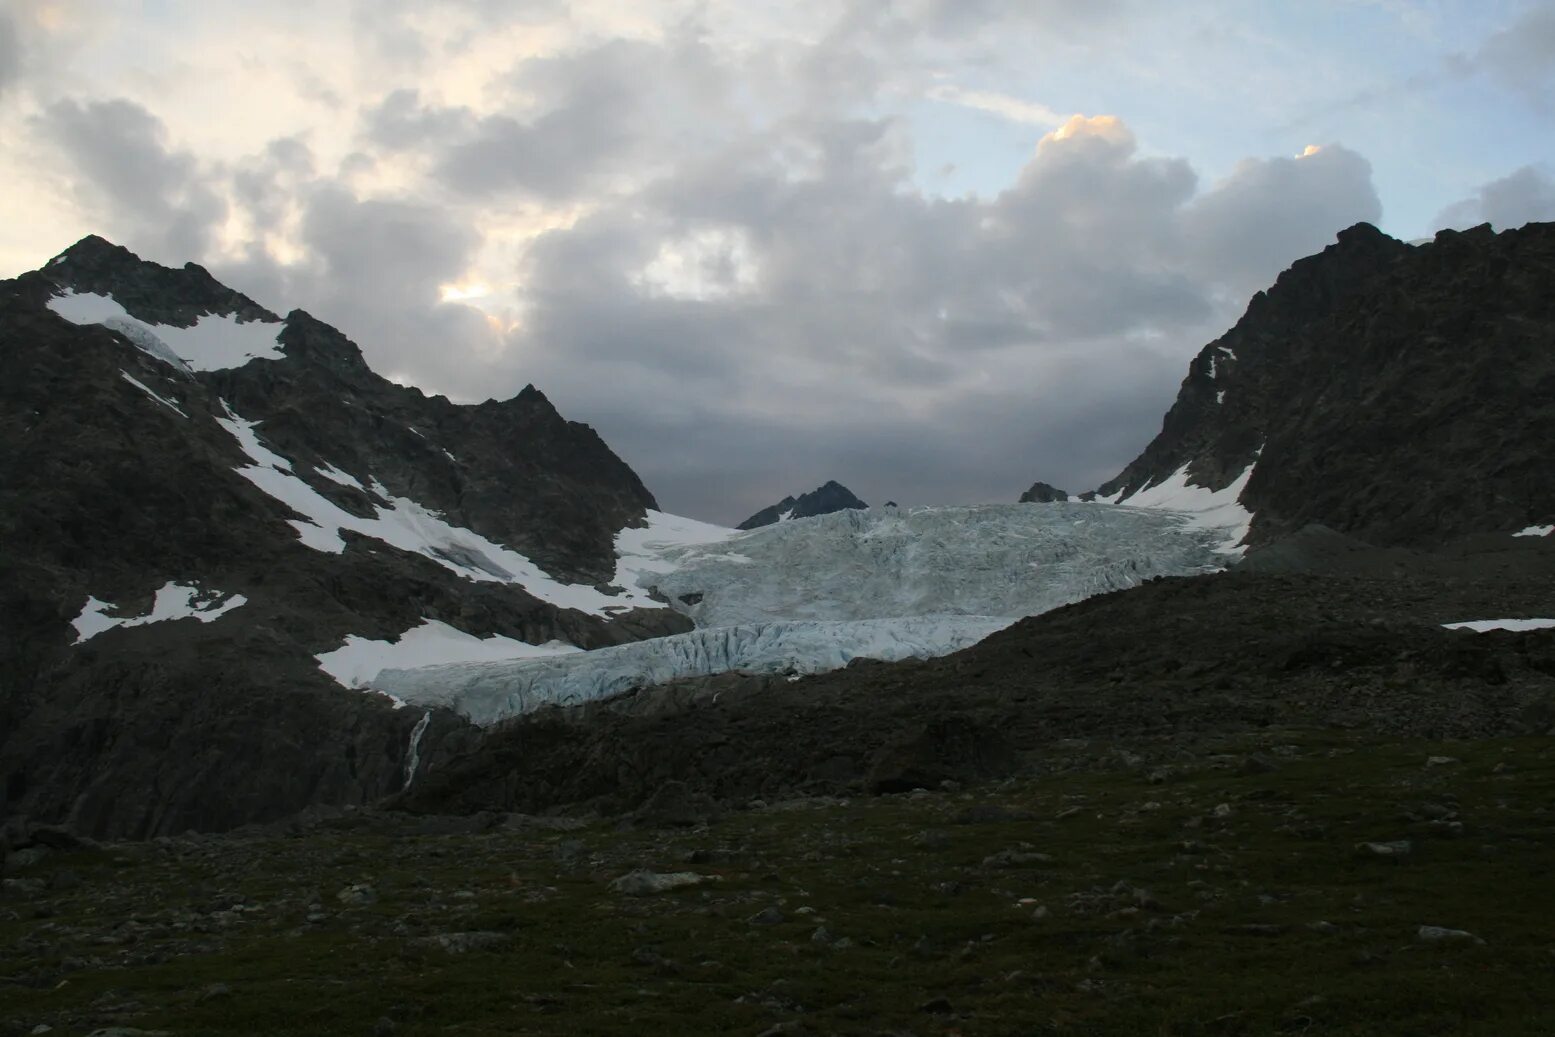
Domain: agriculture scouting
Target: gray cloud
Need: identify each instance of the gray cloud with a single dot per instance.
(119, 165)
(1523, 196)
(1268, 212)
(592, 113)
(373, 269)
(400, 121)
(914, 348)
(1522, 56)
(265, 185)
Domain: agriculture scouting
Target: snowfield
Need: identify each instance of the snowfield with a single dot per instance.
(213, 344)
(172, 601)
(1484, 626)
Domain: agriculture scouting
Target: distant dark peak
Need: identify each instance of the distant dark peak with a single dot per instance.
(1043, 493)
(149, 291)
(823, 500)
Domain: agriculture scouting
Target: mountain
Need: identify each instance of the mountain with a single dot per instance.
(1402, 395)
(201, 500)
(823, 500)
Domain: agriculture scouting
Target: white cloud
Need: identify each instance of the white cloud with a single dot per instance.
(1002, 105)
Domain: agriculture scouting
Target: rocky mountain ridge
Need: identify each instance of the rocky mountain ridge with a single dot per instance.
(1403, 395)
(313, 499)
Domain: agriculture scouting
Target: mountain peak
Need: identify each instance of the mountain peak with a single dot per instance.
(830, 496)
(92, 246)
(147, 290)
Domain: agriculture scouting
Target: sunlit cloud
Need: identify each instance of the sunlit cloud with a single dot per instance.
(1107, 127)
(1003, 105)
(463, 292)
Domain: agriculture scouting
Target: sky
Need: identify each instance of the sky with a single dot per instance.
(933, 249)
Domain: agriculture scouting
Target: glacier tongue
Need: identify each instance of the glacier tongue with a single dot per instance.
(810, 595)
(489, 692)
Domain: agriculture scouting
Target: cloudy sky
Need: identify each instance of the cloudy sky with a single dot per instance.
(935, 249)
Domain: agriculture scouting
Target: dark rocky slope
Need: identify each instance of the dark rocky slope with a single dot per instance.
(823, 500)
(105, 492)
(1359, 649)
(1401, 394)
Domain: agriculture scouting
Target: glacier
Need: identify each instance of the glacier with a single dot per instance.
(812, 594)
(988, 560)
(490, 692)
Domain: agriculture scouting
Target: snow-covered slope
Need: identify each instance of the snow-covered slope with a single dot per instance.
(409, 525)
(809, 595)
(1219, 510)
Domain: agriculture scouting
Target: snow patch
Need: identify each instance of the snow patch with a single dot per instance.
(661, 545)
(173, 601)
(1480, 626)
(1202, 508)
(215, 343)
(1535, 531)
(335, 475)
(405, 524)
(164, 401)
(489, 692)
(357, 662)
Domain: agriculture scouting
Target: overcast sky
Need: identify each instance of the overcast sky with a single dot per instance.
(934, 249)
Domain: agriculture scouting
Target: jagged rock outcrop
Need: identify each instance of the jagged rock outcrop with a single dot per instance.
(823, 500)
(125, 476)
(1401, 394)
(1042, 493)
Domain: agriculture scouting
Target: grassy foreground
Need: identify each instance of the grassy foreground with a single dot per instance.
(1225, 887)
